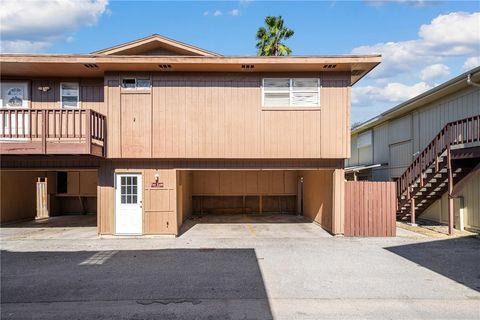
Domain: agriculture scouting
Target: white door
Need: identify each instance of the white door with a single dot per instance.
(128, 209)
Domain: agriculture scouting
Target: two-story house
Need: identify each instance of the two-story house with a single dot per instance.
(149, 132)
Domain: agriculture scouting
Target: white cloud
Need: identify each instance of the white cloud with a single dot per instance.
(234, 12)
(217, 13)
(434, 71)
(206, 13)
(471, 63)
(454, 34)
(30, 26)
(392, 93)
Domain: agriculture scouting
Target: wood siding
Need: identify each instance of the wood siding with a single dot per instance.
(159, 204)
(370, 209)
(91, 94)
(318, 197)
(221, 116)
(241, 183)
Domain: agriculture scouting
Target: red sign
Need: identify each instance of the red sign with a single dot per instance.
(157, 184)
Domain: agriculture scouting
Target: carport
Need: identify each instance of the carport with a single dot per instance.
(42, 195)
(265, 196)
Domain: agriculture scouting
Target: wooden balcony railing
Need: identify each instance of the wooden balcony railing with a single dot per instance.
(52, 131)
(458, 132)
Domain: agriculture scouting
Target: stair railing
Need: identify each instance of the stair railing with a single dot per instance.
(457, 132)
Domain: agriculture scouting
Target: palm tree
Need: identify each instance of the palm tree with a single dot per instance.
(270, 39)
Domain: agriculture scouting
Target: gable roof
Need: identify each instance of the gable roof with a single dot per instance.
(153, 42)
(452, 85)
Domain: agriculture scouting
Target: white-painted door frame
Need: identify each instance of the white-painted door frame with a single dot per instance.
(128, 204)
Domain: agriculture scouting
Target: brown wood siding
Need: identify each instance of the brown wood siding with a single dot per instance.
(370, 209)
(229, 183)
(135, 122)
(91, 94)
(221, 116)
(159, 204)
(318, 196)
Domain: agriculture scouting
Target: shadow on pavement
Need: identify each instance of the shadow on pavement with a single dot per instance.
(143, 284)
(457, 259)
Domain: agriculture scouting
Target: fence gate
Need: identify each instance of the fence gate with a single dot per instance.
(370, 209)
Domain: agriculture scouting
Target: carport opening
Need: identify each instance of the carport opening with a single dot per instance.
(254, 196)
(57, 198)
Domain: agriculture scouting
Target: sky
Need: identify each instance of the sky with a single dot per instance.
(423, 43)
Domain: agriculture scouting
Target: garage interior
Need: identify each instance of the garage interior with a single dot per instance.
(44, 194)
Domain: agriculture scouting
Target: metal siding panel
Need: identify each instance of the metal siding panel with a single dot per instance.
(400, 130)
(400, 158)
(380, 144)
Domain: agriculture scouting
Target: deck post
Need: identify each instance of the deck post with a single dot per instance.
(412, 212)
(88, 130)
(450, 189)
(44, 131)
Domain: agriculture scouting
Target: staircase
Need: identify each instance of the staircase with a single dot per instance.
(439, 167)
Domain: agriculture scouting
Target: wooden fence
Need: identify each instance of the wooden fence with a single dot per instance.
(370, 209)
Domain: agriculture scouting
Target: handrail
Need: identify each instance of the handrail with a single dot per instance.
(51, 124)
(457, 132)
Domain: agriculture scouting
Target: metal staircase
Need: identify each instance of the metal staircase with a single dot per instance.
(448, 158)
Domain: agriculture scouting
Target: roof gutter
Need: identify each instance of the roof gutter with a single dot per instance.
(470, 82)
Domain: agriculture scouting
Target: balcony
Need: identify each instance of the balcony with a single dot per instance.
(52, 132)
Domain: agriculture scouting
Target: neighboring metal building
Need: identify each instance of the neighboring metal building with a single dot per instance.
(384, 147)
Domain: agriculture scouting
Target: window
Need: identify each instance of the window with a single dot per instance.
(128, 190)
(69, 95)
(14, 95)
(364, 139)
(136, 83)
(291, 92)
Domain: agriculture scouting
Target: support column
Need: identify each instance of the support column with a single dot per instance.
(450, 191)
(412, 212)
(338, 203)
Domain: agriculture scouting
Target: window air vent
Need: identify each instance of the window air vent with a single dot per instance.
(247, 66)
(329, 66)
(91, 66)
(357, 72)
(165, 66)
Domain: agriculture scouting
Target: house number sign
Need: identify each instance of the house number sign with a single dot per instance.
(157, 184)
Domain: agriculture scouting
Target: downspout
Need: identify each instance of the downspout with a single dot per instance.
(470, 82)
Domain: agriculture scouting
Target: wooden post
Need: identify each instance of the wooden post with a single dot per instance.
(338, 201)
(44, 131)
(88, 131)
(412, 212)
(450, 189)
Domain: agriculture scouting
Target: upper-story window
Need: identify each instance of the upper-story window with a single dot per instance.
(69, 95)
(136, 84)
(291, 92)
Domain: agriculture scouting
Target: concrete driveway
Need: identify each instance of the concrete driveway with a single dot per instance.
(250, 269)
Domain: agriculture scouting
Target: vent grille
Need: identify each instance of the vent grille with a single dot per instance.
(247, 66)
(329, 66)
(357, 72)
(165, 66)
(91, 66)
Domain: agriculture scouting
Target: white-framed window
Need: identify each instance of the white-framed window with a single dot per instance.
(14, 94)
(69, 95)
(136, 83)
(291, 92)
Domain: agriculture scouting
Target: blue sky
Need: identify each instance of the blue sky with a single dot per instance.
(416, 58)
